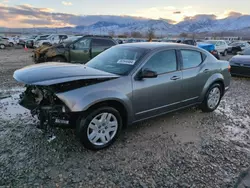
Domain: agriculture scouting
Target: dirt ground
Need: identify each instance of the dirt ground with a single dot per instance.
(183, 149)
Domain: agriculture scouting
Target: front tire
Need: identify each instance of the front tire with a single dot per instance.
(99, 128)
(212, 98)
(224, 53)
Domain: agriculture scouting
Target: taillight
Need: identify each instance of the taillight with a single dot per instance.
(229, 68)
(214, 52)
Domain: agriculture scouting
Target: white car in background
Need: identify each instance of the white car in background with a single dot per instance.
(3, 43)
(220, 45)
(11, 41)
(50, 40)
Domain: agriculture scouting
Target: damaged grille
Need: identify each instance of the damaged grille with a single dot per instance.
(35, 97)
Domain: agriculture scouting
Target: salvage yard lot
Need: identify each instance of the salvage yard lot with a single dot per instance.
(183, 149)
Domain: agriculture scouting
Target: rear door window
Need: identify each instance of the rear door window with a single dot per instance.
(102, 42)
(191, 59)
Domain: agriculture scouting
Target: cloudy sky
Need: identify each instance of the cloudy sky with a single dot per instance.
(51, 13)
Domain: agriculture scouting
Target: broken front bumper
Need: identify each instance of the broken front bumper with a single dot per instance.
(38, 58)
(51, 112)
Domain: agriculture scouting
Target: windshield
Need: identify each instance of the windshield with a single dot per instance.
(236, 44)
(246, 51)
(44, 37)
(117, 60)
(211, 42)
(32, 37)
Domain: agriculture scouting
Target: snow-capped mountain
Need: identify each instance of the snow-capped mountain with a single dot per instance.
(127, 24)
(208, 23)
(196, 24)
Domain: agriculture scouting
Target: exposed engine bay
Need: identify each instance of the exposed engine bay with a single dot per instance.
(43, 103)
(50, 110)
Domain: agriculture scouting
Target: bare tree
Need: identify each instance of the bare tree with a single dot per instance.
(136, 34)
(184, 35)
(126, 34)
(111, 33)
(193, 36)
(150, 33)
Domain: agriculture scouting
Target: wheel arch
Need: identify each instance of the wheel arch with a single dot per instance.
(118, 105)
(60, 56)
(216, 78)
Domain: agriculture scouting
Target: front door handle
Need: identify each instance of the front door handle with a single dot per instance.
(206, 70)
(175, 78)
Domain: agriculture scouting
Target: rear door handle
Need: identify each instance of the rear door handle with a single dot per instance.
(175, 78)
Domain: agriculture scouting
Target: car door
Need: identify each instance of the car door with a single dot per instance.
(219, 47)
(195, 73)
(153, 96)
(99, 45)
(80, 51)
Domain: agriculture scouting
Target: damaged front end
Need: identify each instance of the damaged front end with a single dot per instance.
(45, 85)
(43, 103)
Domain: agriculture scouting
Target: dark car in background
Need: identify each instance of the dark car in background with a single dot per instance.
(240, 65)
(123, 85)
(236, 47)
(79, 51)
(187, 41)
(245, 52)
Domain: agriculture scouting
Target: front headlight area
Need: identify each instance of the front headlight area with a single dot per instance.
(43, 103)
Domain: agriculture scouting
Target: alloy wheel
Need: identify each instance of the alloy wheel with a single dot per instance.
(214, 98)
(102, 129)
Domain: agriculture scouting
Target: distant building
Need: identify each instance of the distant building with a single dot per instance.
(224, 38)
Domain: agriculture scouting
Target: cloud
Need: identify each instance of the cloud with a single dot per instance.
(37, 22)
(233, 14)
(177, 12)
(28, 16)
(66, 3)
(188, 7)
(200, 17)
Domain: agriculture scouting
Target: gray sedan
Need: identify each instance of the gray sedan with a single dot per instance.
(123, 85)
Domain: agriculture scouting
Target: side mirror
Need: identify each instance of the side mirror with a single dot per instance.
(146, 73)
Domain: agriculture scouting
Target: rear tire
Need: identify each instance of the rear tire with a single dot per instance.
(100, 128)
(212, 98)
(11, 44)
(2, 46)
(234, 52)
(58, 59)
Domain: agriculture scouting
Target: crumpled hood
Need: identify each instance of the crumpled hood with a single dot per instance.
(43, 48)
(54, 73)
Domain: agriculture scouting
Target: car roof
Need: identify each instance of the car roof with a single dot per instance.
(156, 45)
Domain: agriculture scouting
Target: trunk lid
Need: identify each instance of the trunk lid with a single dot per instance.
(241, 60)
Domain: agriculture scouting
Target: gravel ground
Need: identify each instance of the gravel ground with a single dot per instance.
(183, 149)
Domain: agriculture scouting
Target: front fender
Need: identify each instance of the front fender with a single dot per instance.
(78, 103)
(214, 78)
